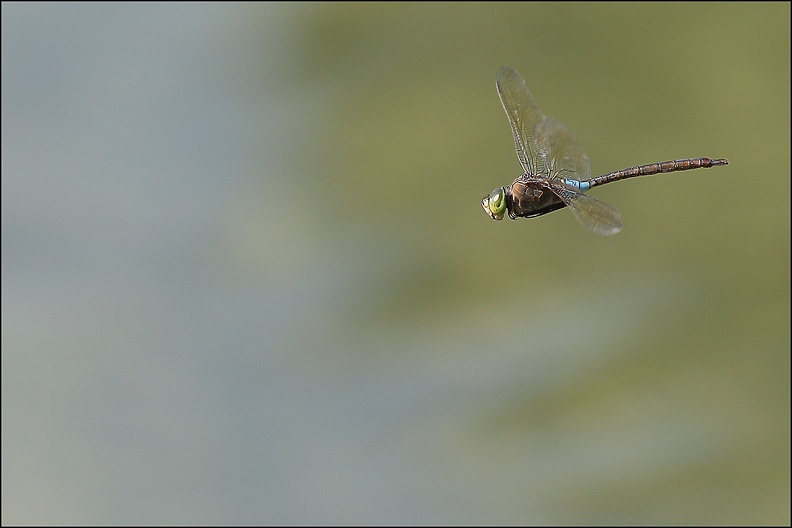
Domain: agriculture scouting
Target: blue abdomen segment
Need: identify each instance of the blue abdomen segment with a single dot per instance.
(581, 186)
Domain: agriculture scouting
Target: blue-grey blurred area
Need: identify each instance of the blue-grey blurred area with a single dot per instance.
(247, 278)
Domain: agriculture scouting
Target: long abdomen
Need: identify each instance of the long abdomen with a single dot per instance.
(655, 168)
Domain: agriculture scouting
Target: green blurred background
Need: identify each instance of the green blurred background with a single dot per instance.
(247, 277)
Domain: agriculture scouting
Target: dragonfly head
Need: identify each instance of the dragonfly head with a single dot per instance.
(495, 204)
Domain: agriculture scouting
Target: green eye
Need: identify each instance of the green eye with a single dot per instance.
(495, 203)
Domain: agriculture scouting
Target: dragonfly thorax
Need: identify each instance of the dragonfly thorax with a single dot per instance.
(528, 197)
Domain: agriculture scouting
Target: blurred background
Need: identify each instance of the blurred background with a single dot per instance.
(247, 279)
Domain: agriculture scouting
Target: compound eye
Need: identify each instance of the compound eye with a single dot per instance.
(497, 203)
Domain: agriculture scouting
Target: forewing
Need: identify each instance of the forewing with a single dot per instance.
(527, 121)
(593, 214)
(567, 157)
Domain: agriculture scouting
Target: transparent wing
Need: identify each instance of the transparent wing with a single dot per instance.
(567, 157)
(527, 122)
(595, 215)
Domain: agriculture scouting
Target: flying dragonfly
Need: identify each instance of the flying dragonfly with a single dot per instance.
(556, 168)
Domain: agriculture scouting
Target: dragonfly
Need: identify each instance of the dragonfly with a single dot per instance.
(556, 168)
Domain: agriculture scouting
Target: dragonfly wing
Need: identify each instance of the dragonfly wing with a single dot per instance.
(595, 215)
(568, 157)
(527, 122)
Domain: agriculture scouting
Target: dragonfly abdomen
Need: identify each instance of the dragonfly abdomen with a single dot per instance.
(656, 168)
